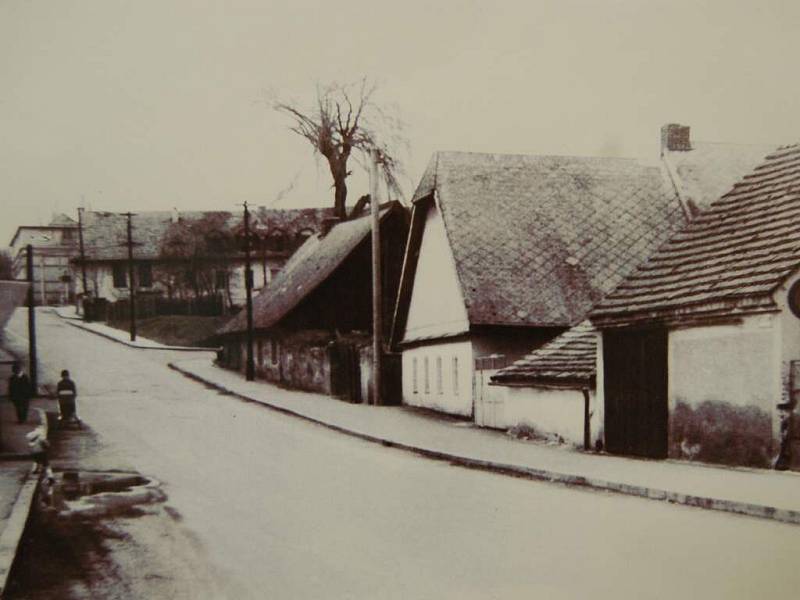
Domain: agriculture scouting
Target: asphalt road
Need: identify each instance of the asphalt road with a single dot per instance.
(279, 508)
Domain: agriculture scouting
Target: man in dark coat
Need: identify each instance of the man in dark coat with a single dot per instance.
(19, 392)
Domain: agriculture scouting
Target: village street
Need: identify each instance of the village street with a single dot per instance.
(279, 508)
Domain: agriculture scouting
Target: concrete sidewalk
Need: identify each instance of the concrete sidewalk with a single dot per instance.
(17, 484)
(71, 316)
(760, 493)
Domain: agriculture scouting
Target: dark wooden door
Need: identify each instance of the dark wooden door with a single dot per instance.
(345, 371)
(635, 376)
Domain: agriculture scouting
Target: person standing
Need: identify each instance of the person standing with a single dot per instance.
(67, 393)
(19, 392)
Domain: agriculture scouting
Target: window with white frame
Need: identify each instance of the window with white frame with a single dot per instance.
(455, 376)
(427, 374)
(414, 380)
(439, 382)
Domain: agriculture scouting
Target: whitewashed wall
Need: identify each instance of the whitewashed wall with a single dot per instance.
(455, 394)
(730, 363)
(436, 307)
(551, 412)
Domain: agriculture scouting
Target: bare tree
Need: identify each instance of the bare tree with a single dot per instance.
(345, 119)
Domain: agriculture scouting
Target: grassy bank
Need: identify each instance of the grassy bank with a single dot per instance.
(176, 330)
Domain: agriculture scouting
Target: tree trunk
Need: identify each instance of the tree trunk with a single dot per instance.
(340, 204)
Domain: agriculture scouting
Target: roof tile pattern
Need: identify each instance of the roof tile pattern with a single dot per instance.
(568, 359)
(710, 169)
(537, 240)
(727, 261)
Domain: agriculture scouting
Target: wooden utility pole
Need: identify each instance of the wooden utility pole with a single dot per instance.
(131, 280)
(250, 370)
(83, 253)
(32, 362)
(377, 304)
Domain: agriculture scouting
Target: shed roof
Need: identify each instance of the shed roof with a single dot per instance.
(312, 264)
(567, 359)
(727, 261)
(537, 240)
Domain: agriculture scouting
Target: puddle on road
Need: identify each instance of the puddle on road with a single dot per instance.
(97, 494)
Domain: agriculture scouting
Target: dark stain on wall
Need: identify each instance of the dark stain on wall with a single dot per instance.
(719, 432)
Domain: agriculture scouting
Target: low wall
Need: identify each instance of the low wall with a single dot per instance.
(550, 412)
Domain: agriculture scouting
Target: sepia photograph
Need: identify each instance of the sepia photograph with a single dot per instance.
(399, 300)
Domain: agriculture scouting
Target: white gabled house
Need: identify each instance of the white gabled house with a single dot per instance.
(505, 253)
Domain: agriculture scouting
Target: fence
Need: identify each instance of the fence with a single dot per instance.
(156, 306)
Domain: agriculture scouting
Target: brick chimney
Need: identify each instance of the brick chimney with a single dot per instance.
(674, 138)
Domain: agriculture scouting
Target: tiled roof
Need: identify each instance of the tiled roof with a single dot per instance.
(727, 261)
(710, 169)
(568, 359)
(105, 233)
(537, 240)
(310, 266)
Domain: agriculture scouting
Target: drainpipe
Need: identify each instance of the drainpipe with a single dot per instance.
(587, 426)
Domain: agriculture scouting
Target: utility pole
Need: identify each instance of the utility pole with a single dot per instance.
(131, 281)
(377, 304)
(83, 253)
(250, 369)
(32, 362)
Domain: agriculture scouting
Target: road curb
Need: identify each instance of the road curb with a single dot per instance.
(15, 527)
(544, 475)
(80, 325)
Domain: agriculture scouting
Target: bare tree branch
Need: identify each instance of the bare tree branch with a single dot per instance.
(345, 118)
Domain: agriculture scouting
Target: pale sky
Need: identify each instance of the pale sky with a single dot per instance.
(154, 104)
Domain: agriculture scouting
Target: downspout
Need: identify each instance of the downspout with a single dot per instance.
(587, 426)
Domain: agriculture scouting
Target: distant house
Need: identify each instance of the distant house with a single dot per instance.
(190, 254)
(313, 322)
(548, 389)
(505, 253)
(53, 247)
(699, 356)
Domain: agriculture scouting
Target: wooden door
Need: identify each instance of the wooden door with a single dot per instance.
(635, 375)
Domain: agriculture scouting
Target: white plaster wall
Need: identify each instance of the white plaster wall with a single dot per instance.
(551, 411)
(730, 363)
(436, 307)
(455, 400)
(789, 326)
